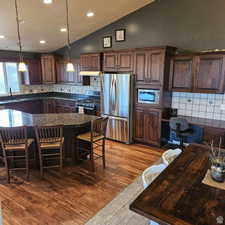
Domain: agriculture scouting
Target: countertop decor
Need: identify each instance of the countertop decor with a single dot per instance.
(217, 158)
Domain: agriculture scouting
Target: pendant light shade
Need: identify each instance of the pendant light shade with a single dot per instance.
(22, 66)
(69, 67)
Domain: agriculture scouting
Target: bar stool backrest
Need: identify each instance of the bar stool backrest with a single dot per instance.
(49, 133)
(179, 124)
(98, 127)
(13, 135)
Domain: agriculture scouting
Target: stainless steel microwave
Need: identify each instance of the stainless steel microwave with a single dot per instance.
(148, 96)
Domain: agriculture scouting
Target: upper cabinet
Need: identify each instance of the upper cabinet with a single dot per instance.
(181, 73)
(48, 69)
(198, 73)
(119, 61)
(64, 77)
(91, 62)
(34, 75)
(209, 76)
(149, 66)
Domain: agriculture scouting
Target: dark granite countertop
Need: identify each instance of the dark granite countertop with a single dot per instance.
(14, 118)
(202, 121)
(51, 95)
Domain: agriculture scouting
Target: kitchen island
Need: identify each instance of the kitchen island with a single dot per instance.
(74, 124)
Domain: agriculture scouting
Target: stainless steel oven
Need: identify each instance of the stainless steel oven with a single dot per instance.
(148, 96)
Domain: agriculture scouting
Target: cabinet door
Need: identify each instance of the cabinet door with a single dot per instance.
(48, 69)
(90, 62)
(84, 62)
(125, 61)
(181, 73)
(33, 76)
(140, 66)
(61, 71)
(155, 67)
(139, 125)
(95, 62)
(209, 76)
(152, 127)
(110, 61)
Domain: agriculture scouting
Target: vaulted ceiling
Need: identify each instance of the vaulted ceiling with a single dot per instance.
(43, 22)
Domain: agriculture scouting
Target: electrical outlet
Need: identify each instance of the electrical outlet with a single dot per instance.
(222, 106)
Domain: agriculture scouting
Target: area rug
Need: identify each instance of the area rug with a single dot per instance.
(117, 211)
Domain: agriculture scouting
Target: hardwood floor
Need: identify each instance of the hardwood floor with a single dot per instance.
(75, 195)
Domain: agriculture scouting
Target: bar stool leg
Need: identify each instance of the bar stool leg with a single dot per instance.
(103, 153)
(41, 163)
(92, 158)
(61, 158)
(27, 164)
(7, 170)
(77, 149)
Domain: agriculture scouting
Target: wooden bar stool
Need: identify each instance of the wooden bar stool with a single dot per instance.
(50, 146)
(96, 137)
(13, 141)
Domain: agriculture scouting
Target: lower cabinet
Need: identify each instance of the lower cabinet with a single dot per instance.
(148, 126)
(214, 134)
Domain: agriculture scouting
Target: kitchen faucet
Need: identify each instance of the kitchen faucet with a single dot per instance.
(10, 91)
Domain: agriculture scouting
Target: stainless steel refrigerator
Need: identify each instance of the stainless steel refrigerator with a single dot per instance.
(117, 99)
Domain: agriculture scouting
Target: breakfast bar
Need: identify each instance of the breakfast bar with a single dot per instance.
(73, 123)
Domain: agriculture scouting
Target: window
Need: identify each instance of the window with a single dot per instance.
(9, 77)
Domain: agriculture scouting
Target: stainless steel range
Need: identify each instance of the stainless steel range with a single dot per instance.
(88, 104)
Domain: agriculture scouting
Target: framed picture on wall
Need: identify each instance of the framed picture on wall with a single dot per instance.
(107, 42)
(120, 35)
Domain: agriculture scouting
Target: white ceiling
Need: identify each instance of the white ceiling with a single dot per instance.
(43, 22)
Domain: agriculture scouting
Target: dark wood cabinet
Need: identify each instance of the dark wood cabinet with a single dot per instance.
(149, 66)
(181, 73)
(125, 61)
(140, 60)
(65, 77)
(155, 67)
(61, 73)
(90, 62)
(209, 76)
(148, 126)
(120, 61)
(48, 69)
(110, 61)
(139, 124)
(198, 73)
(34, 75)
(215, 134)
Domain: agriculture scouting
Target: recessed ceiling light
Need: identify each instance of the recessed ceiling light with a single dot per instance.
(2, 36)
(47, 1)
(42, 42)
(63, 29)
(90, 14)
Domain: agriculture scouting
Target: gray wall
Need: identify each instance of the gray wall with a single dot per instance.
(187, 24)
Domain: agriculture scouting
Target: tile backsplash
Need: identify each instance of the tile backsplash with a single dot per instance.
(95, 85)
(208, 106)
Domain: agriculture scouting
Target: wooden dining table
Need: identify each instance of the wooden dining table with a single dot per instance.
(178, 196)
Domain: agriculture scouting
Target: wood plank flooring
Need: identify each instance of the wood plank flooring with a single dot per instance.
(75, 195)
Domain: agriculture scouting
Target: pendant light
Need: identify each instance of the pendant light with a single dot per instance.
(22, 66)
(69, 65)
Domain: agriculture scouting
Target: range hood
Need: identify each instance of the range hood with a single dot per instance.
(90, 73)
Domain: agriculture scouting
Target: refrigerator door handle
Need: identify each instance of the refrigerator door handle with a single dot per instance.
(113, 94)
